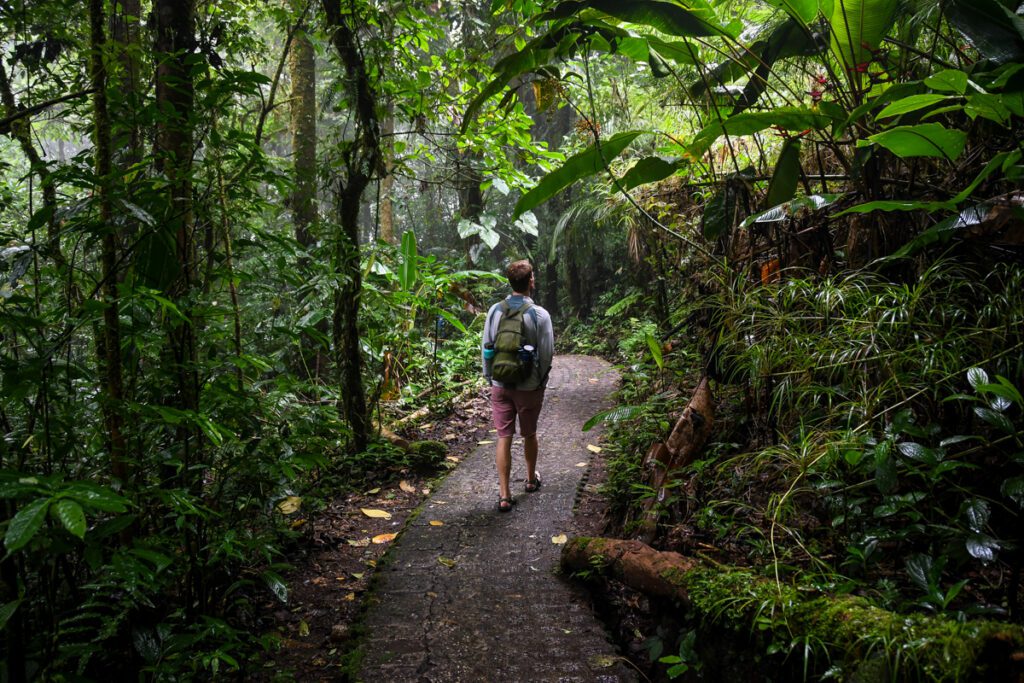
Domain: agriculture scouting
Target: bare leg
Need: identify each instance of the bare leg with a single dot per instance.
(530, 454)
(503, 462)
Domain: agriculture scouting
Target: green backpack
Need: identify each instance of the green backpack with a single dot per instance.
(510, 366)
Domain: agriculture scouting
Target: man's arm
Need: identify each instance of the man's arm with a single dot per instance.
(545, 346)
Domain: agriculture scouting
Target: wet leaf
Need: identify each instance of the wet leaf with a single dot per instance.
(406, 486)
(446, 561)
(982, 547)
(978, 512)
(384, 538)
(376, 514)
(593, 449)
(289, 505)
(436, 522)
(560, 539)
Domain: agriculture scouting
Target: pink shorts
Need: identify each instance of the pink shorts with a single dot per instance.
(506, 404)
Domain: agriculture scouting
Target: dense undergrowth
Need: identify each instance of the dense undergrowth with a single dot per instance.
(869, 441)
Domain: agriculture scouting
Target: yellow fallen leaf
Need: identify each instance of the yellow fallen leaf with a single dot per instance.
(484, 442)
(560, 539)
(384, 538)
(373, 492)
(406, 486)
(581, 464)
(452, 458)
(376, 514)
(303, 628)
(298, 523)
(446, 561)
(350, 597)
(361, 543)
(593, 449)
(357, 576)
(436, 522)
(290, 505)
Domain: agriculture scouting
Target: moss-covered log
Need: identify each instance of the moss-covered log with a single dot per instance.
(882, 645)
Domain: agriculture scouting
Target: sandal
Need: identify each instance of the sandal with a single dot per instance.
(505, 504)
(533, 484)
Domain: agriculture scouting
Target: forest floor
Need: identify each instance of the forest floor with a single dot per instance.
(338, 583)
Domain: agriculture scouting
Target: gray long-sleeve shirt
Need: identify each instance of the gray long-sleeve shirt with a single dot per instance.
(539, 333)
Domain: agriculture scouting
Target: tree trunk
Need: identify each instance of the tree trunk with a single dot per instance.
(174, 42)
(302, 67)
(471, 198)
(684, 444)
(362, 158)
(113, 381)
(385, 205)
(852, 629)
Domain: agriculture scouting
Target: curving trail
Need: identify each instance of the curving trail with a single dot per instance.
(478, 598)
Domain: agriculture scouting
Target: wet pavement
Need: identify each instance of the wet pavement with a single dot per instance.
(470, 594)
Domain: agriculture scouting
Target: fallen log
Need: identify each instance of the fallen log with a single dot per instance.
(872, 640)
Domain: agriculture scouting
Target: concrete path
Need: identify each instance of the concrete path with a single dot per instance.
(478, 597)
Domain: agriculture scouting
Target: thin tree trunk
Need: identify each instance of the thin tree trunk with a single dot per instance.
(362, 158)
(385, 207)
(113, 382)
(302, 68)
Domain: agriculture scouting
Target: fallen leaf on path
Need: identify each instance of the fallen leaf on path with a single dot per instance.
(350, 597)
(603, 661)
(446, 561)
(592, 380)
(406, 486)
(452, 458)
(357, 575)
(384, 538)
(436, 522)
(376, 514)
(426, 492)
(593, 449)
(484, 442)
(560, 539)
(373, 492)
(290, 505)
(303, 628)
(581, 464)
(449, 437)
(361, 543)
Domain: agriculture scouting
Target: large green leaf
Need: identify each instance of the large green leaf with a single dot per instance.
(698, 19)
(24, 525)
(649, 170)
(993, 28)
(788, 118)
(786, 176)
(407, 269)
(922, 140)
(71, 516)
(7, 611)
(804, 10)
(592, 160)
(911, 104)
(858, 27)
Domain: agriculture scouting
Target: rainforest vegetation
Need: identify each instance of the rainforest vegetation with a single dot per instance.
(243, 243)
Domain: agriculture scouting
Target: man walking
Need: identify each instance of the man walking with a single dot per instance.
(522, 396)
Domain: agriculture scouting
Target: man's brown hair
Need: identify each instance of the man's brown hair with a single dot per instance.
(518, 274)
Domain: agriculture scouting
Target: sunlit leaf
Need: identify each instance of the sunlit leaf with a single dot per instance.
(384, 538)
(922, 140)
(591, 161)
(593, 449)
(436, 522)
(376, 514)
(910, 104)
(560, 539)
